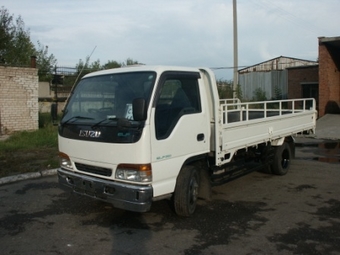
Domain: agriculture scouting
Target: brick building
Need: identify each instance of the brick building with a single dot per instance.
(329, 76)
(303, 82)
(270, 76)
(301, 78)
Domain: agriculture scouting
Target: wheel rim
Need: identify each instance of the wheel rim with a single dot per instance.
(285, 159)
(193, 191)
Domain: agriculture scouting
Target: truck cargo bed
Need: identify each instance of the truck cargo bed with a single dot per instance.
(242, 125)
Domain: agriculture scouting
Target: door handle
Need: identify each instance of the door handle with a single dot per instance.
(200, 137)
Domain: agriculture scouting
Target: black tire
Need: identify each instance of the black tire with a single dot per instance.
(265, 160)
(282, 159)
(186, 191)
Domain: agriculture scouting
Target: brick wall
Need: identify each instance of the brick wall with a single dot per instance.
(301, 75)
(19, 109)
(329, 82)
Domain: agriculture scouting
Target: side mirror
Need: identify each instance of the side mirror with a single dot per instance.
(139, 109)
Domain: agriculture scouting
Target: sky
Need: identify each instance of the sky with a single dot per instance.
(196, 33)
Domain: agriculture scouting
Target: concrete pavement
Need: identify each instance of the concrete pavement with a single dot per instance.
(328, 127)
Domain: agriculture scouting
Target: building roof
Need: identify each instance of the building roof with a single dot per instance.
(332, 41)
(303, 67)
(279, 63)
(333, 46)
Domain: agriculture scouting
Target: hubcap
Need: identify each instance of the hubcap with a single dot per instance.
(193, 191)
(285, 159)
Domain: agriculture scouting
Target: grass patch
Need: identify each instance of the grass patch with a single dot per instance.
(32, 151)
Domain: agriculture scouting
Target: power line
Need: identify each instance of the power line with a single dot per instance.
(287, 15)
(226, 67)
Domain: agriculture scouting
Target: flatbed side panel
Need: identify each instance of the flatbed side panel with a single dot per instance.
(270, 126)
(247, 135)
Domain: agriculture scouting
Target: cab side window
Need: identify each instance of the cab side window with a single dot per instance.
(178, 96)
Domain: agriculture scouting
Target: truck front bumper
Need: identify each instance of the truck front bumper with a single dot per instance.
(124, 196)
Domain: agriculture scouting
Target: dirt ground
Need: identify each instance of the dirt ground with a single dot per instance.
(28, 161)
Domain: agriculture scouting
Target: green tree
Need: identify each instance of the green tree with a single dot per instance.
(86, 67)
(226, 88)
(239, 93)
(16, 47)
(112, 64)
(259, 94)
(130, 62)
(95, 66)
(277, 93)
(45, 63)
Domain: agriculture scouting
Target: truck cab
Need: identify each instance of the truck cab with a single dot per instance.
(126, 133)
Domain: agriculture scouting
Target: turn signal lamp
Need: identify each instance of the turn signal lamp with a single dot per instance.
(134, 172)
(65, 162)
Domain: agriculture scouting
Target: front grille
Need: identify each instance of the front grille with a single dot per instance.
(94, 169)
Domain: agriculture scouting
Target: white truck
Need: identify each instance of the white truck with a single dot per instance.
(134, 135)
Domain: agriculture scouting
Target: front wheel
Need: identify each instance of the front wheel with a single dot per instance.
(186, 191)
(282, 159)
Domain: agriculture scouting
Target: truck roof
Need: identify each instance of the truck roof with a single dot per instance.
(138, 68)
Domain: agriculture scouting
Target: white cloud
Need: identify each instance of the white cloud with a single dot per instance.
(178, 32)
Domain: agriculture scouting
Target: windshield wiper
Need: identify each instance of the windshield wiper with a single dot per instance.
(74, 118)
(103, 120)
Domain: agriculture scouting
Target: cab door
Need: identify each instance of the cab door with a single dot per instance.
(181, 128)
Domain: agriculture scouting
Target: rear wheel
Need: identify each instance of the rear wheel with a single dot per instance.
(186, 191)
(282, 158)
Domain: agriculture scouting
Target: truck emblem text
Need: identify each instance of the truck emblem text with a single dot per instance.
(89, 133)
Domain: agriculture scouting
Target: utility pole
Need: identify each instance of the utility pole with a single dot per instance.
(235, 49)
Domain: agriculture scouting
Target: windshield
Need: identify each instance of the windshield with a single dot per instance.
(108, 97)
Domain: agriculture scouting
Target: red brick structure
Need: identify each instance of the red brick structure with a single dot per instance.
(329, 75)
(303, 82)
(304, 79)
(270, 75)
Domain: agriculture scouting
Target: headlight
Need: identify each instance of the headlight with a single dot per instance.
(65, 161)
(134, 172)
